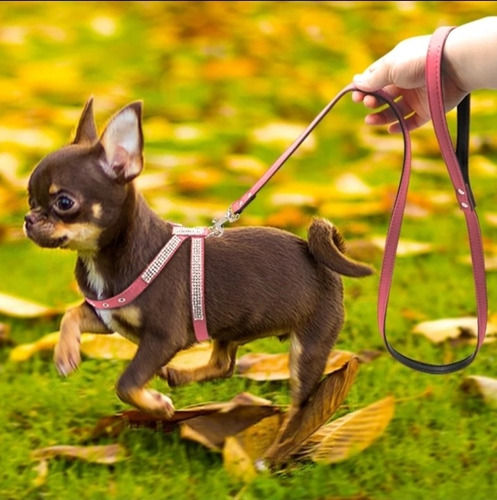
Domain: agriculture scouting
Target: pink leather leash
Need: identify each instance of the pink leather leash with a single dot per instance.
(457, 168)
(457, 165)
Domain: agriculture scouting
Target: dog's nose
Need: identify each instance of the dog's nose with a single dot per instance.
(30, 219)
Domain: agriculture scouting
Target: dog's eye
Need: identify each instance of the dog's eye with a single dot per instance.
(64, 203)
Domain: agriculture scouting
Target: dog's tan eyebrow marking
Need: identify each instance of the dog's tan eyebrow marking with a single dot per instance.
(54, 189)
(96, 210)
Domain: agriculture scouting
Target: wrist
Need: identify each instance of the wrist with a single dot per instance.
(469, 55)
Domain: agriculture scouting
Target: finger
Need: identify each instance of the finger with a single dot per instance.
(375, 77)
(371, 101)
(413, 122)
(388, 115)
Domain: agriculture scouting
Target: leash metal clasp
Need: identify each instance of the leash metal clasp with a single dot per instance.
(217, 227)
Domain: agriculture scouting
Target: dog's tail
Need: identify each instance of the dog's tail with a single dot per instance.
(328, 247)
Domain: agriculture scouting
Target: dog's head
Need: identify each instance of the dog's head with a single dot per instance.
(77, 193)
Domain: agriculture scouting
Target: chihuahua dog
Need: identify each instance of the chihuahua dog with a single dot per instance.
(258, 281)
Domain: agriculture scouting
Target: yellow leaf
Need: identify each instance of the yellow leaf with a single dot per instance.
(237, 462)
(112, 346)
(25, 351)
(451, 328)
(22, 308)
(351, 185)
(93, 345)
(280, 133)
(244, 164)
(194, 357)
(405, 248)
(350, 434)
(483, 386)
(104, 454)
(263, 367)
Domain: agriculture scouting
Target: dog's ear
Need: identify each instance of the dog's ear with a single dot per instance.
(122, 142)
(86, 133)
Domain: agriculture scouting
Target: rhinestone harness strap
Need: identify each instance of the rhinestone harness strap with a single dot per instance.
(180, 234)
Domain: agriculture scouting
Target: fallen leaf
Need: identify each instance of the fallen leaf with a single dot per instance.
(438, 331)
(349, 435)
(112, 346)
(485, 387)
(194, 357)
(24, 352)
(5, 339)
(281, 133)
(103, 454)
(237, 462)
(243, 454)
(351, 185)
(264, 367)
(227, 418)
(22, 308)
(298, 427)
(41, 469)
(405, 248)
(213, 429)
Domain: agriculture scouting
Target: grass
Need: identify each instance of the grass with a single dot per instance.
(442, 443)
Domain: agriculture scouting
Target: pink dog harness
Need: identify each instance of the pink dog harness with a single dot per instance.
(457, 166)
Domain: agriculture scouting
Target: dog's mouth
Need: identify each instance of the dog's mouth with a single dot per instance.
(44, 240)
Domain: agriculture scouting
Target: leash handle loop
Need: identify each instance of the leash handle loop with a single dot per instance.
(457, 166)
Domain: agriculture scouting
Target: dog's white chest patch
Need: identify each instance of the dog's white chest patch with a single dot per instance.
(95, 279)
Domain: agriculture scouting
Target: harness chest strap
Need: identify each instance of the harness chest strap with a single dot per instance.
(197, 277)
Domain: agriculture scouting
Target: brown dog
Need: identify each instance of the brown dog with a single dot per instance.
(258, 281)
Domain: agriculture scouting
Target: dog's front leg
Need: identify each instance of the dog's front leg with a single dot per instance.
(153, 353)
(221, 364)
(75, 321)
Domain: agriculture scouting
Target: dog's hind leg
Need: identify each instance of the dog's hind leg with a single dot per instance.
(221, 365)
(310, 348)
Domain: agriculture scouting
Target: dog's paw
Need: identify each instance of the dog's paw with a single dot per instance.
(66, 358)
(159, 405)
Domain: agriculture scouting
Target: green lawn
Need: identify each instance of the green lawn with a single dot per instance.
(211, 74)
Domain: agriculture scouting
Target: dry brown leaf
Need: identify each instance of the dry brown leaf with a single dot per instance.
(349, 435)
(438, 331)
(227, 418)
(244, 411)
(22, 308)
(103, 454)
(5, 335)
(300, 426)
(264, 367)
(485, 387)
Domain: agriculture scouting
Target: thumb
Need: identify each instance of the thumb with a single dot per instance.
(374, 78)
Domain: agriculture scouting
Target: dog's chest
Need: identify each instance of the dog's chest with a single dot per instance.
(125, 320)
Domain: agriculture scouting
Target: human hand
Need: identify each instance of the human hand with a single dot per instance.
(468, 64)
(401, 73)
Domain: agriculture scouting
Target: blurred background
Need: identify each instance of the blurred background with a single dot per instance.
(226, 87)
